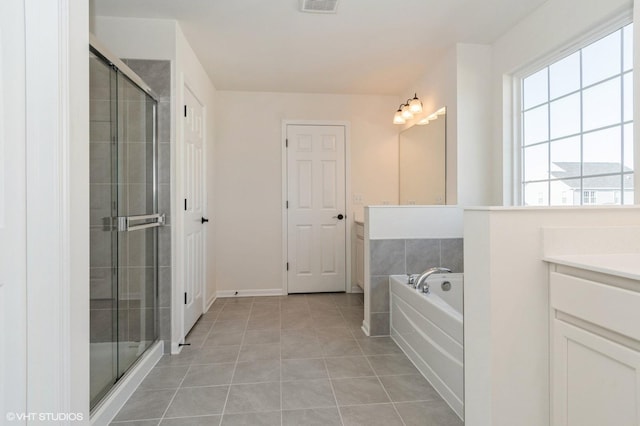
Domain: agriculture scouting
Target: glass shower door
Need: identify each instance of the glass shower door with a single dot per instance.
(124, 224)
(138, 219)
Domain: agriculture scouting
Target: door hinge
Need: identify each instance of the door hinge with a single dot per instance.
(287, 204)
(185, 110)
(185, 204)
(286, 143)
(287, 266)
(185, 297)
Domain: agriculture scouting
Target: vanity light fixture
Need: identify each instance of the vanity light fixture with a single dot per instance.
(407, 110)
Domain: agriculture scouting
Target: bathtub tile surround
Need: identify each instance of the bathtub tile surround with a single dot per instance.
(388, 257)
(422, 254)
(405, 256)
(452, 254)
(157, 74)
(322, 372)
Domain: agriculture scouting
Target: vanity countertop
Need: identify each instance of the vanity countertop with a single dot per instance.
(626, 265)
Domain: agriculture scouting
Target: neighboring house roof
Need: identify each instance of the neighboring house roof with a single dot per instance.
(568, 170)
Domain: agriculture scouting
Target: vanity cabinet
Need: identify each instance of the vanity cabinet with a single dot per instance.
(595, 348)
(360, 254)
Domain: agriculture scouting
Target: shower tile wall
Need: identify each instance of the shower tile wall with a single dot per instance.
(157, 74)
(397, 257)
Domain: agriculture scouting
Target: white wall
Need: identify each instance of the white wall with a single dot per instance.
(474, 125)
(438, 88)
(475, 83)
(506, 309)
(461, 82)
(248, 211)
(553, 27)
(137, 38)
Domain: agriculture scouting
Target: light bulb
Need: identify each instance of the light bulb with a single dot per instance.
(398, 119)
(415, 106)
(406, 112)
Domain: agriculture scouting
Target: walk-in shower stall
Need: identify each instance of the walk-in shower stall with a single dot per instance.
(124, 221)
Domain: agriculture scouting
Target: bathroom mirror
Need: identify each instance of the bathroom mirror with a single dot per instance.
(423, 161)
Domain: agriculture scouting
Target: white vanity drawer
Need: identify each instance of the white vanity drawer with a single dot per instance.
(614, 308)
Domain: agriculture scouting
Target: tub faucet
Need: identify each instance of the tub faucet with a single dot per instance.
(421, 282)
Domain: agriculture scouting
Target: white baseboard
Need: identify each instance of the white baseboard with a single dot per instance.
(365, 328)
(206, 309)
(122, 391)
(250, 293)
(355, 288)
(176, 348)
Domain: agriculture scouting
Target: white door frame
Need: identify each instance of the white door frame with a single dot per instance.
(349, 207)
(13, 262)
(55, 292)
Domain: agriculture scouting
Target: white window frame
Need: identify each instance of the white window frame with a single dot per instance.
(560, 53)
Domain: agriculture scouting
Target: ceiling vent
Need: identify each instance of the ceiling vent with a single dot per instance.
(319, 6)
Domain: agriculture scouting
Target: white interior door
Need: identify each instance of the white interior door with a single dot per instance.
(316, 209)
(194, 209)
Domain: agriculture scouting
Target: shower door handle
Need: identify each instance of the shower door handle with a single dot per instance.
(124, 223)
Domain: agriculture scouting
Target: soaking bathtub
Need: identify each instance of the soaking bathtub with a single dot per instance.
(428, 328)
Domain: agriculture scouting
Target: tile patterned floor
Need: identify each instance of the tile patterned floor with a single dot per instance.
(290, 360)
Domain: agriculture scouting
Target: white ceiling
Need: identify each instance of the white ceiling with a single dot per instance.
(368, 47)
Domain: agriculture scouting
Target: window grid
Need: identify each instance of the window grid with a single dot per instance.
(618, 193)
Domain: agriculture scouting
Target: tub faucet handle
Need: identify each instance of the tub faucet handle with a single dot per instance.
(411, 279)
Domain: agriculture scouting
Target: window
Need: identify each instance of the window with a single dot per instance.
(577, 126)
(589, 197)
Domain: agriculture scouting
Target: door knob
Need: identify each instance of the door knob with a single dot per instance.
(339, 217)
(204, 220)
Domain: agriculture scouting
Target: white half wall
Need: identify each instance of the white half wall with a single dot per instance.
(405, 222)
(248, 211)
(506, 308)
